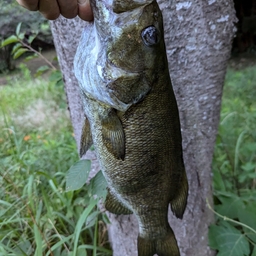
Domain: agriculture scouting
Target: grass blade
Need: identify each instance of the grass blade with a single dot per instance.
(80, 224)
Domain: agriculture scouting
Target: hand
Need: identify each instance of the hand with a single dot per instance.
(51, 9)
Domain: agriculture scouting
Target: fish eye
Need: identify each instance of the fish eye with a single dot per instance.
(150, 35)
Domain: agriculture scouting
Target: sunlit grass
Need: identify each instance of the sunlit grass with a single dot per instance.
(37, 216)
(235, 152)
(234, 167)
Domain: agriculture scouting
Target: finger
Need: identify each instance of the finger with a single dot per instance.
(68, 8)
(85, 10)
(49, 8)
(31, 5)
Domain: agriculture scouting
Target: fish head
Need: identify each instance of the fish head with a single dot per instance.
(130, 46)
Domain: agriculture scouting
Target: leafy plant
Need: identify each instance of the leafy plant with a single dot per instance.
(37, 216)
(77, 177)
(234, 168)
(11, 14)
(21, 46)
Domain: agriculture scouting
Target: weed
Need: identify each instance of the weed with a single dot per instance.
(37, 216)
(234, 167)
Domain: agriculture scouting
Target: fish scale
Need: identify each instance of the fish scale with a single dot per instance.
(133, 123)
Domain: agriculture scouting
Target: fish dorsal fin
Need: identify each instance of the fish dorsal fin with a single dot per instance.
(120, 6)
(86, 138)
(113, 134)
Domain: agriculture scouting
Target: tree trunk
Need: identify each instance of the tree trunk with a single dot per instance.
(198, 37)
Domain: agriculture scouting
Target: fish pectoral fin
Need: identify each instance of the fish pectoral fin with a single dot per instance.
(178, 204)
(165, 246)
(86, 138)
(113, 205)
(113, 135)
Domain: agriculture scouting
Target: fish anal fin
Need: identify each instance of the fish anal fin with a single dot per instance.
(165, 246)
(178, 204)
(86, 138)
(113, 135)
(113, 205)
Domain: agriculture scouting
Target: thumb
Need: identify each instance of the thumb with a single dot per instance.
(85, 10)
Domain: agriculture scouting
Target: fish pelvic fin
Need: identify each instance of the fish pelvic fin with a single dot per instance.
(113, 134)
(166, 246)
(112, 204)
(179, 203)
(86, 138)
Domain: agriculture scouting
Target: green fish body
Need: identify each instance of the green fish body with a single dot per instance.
(132, 118)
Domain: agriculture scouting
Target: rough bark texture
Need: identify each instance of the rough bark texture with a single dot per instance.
(66, 35)
(198, 39)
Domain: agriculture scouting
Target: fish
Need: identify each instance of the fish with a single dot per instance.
(132, 118)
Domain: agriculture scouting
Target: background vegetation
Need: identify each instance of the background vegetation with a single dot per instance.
(37, 216)
(33, 23)
(234, 167)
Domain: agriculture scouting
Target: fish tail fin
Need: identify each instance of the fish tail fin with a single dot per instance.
(178, 204)
(166, 246)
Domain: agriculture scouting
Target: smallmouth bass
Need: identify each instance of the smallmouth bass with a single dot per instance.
(132, 118)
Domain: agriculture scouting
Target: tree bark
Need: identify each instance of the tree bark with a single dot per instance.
(198, 37)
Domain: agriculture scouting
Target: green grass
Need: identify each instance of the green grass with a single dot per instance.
(37, 216)
(235, 152)
(234, 167)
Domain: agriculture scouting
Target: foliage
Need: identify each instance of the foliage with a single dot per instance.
(22, 46)
(77, 175)
(33, 23)
(234, 167)
(11, 14)
(37, 216)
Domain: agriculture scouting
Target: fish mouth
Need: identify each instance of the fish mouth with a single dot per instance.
(110, 73)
